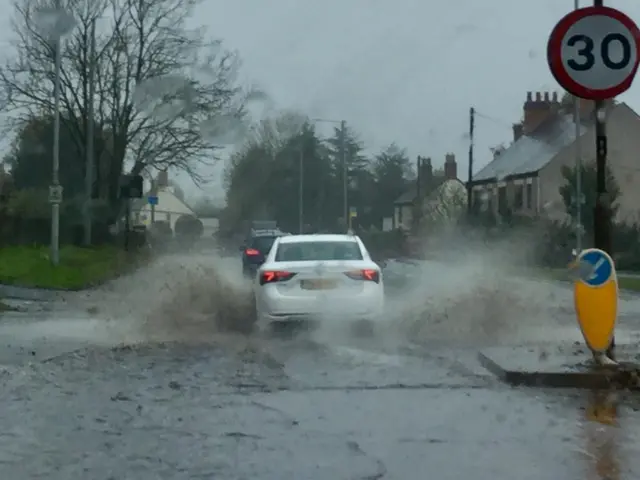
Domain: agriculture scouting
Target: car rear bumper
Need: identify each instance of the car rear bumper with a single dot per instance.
(273, 307)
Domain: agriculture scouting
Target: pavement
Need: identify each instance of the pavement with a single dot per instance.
(565, 366)
(102, 399)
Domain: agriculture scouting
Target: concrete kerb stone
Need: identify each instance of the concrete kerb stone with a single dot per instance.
(561, 367)
(29, 293)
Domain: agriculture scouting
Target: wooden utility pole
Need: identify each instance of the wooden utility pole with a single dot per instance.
(472, 120)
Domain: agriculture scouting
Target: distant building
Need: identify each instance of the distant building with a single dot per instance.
(525, 178)
(440, 194)
(168, 209)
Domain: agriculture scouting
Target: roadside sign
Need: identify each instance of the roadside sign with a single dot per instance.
(55, 194)
(596, 298)
(353, 212)
(152, 199)
(593, 52)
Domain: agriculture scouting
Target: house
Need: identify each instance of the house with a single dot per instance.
(442, 194)
(168, 209)
(525, 177)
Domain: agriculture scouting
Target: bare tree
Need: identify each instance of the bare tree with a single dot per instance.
(446, 204)
(275, 131)
(165, 94)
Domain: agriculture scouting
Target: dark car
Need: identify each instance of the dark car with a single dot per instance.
(256, 249)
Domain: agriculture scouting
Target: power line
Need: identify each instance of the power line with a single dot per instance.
(502, 123)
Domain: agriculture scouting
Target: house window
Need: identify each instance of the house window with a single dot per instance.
(400, 215)
(529, 195)
(518, 198)
(502, 200)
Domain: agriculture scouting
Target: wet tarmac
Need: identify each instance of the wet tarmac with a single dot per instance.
(330, 406)
(290, 412)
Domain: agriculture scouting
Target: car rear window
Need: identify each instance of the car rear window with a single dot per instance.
(302, 251)
(262, 244)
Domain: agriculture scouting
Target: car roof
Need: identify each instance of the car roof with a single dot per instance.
(267, 233)
(320, 237)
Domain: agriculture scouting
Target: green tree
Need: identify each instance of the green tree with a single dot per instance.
(263, 181)
(356, 161)
(356, 167)
(392, 170)
(568, 193)
(30, 159)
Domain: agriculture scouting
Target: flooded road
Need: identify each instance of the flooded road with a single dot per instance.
(326, 405)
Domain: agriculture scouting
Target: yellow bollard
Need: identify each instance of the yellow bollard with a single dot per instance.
(596, 298)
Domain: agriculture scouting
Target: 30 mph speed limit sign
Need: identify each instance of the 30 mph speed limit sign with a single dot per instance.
(593, 52)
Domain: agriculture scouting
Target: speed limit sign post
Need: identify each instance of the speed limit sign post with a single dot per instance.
(593, 53)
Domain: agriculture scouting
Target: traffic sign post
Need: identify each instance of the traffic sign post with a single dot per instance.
(353, 213)
(55, 194)
(593, 53)
(596, 298)
(153, 202)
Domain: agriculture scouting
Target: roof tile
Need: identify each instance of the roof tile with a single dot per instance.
(530, 153)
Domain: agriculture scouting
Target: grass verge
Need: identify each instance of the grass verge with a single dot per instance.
(79, 268)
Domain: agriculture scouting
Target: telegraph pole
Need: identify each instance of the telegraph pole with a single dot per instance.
(472, 120)
(345, 173)
(90, 140)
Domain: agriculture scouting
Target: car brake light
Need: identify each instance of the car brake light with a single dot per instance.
(275, 276)
(252, 252)
(369, 275)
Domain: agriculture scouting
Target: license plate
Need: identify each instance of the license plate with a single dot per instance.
(317, 284)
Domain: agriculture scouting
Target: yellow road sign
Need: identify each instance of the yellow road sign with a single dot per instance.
(596, 298)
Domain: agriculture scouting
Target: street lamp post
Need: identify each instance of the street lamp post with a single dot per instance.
(345, 174)
(301, 193)
(90, 140)
(55, 23)
(576, 119)
(55, 180)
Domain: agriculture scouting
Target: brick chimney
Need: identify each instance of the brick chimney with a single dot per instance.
(163, 179)
(538, 109)
(450, 167)
(517, 131)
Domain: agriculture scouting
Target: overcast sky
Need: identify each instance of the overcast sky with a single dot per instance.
(404, 71)
(401, 70)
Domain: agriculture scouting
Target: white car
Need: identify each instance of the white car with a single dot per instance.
(316, 277)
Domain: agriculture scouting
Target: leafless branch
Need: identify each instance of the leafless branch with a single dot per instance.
(158, 82)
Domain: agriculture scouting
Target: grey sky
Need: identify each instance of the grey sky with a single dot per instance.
(399, 70)
(402, 70)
